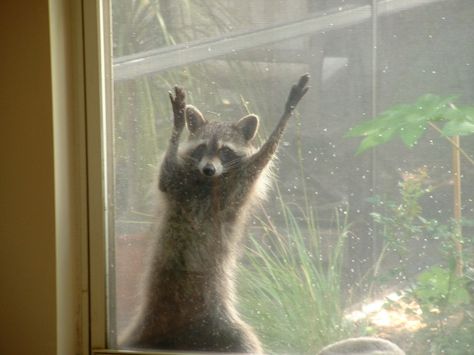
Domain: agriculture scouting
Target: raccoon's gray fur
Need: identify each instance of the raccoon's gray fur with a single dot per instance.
(362, 346)
(208, 185)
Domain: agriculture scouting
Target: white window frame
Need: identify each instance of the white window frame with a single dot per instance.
(96, 93)
(98, 105)
(78, 105)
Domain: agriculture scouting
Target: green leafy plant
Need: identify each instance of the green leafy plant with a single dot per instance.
(446, 310)
(409, 122)
(442, 295)
(401, 220)
(438, 288)
(441, 291)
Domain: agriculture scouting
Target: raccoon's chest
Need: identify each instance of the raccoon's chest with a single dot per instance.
(197, 237)
(205, 209)
(208, 194)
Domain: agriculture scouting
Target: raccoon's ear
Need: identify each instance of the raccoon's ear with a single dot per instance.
(194, 118)
(248, 125)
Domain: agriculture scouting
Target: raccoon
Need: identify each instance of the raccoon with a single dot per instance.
(362, 346)
(208, 185)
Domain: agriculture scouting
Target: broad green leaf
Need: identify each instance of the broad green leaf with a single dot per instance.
(458, 128)
(446, 102)
(458, 294)
(365, 128)
(410, 122)
(400, 110)
(454, 114)
(468, 113)
(375, 125)
(427, 100)
(436, 285)
(374, 140)
(433, 107)
(411, 133)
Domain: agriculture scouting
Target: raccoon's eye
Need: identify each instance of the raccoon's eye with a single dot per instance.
(226, 154)
(198, 152)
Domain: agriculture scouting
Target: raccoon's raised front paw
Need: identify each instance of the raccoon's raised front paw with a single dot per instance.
(179, 105)
(297, 92)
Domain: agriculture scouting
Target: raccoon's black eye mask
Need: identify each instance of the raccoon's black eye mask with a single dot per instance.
(227, 155)
(198, 152)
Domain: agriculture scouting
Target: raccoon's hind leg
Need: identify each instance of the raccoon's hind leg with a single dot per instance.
(213, 335)
(169, 166)
(260, 159)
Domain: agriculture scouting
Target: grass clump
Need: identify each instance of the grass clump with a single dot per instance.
(290, 288)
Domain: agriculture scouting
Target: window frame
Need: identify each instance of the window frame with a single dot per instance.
(95, 96)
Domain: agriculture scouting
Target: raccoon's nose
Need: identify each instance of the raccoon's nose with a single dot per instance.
(209, 169)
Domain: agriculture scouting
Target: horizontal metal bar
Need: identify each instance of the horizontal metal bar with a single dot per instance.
(131, 66)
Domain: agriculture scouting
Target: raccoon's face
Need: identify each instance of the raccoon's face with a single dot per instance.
(215, 148)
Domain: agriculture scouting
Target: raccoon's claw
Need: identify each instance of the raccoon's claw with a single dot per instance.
(179, 105)
(179, 94)
(297, 92)
(179, 97)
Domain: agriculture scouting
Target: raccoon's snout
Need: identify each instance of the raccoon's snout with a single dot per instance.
(209, 169)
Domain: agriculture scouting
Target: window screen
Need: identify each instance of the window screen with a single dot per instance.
(365, 230)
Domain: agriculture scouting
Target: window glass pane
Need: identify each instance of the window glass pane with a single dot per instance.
(363, 231)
